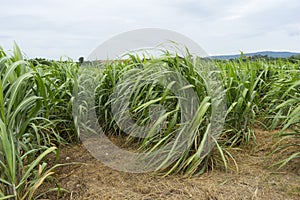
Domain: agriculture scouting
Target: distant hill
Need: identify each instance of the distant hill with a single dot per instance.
(271, 54)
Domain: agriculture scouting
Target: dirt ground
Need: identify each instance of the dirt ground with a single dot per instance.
(254, 180)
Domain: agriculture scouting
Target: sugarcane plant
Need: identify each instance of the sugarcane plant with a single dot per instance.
(27, 131)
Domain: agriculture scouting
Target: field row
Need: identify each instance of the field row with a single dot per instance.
(184, 114)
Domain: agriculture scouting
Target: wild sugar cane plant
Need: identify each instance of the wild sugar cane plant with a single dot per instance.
(284, 109)
(139, 87)
(27, 128)
(244, 84)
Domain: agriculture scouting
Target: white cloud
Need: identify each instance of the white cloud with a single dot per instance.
(74, 28)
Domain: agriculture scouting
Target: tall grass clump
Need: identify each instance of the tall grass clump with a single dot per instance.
(28, 132)
(284, 107)
(283, 92)
(145, 91)
(246, 83)
(59, 78)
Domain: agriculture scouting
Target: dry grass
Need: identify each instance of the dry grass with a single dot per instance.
(254, 179)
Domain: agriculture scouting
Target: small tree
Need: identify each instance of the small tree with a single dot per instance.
(81, 59)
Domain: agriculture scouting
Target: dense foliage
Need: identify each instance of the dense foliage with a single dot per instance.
(36, 98)
(35, 117)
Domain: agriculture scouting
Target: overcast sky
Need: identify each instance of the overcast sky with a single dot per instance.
(74, 28)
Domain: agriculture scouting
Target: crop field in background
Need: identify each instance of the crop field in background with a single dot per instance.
(37, 124)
